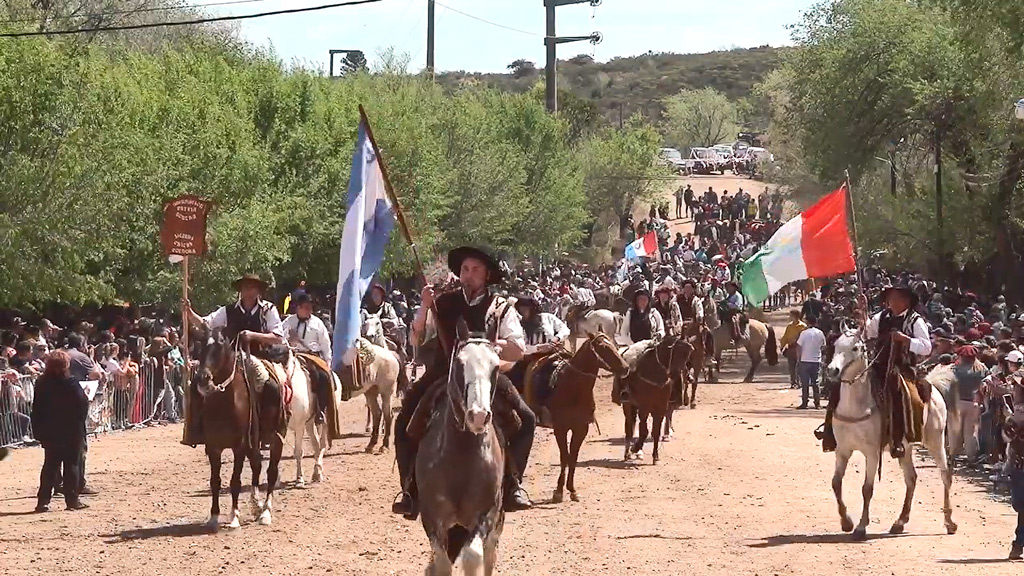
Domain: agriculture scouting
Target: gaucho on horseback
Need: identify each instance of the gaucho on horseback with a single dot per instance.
(251, 321)
(484, 312)
(544, 334)
(901, 341)
(642, 326)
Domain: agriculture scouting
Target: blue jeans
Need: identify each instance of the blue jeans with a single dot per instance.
(1017, 498)
(808, 373)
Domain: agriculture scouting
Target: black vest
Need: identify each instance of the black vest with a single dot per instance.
(888, 323)
(686, 309)
(239, 320)
(665, 310)
(639, 325)
(451, 306)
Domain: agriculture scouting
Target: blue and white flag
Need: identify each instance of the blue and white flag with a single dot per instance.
(368, 226)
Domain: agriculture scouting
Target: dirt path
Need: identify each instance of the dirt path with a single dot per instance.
(741, 489)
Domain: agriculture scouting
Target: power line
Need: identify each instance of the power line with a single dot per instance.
(136, 11)
(188, 22)
(479, 19)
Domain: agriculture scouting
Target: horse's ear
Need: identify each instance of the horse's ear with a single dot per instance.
(843, 326)
(462, 330)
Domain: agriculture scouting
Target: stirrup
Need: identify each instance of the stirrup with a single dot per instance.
(819, 432)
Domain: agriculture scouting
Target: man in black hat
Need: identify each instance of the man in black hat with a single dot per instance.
(642, 324)
(251, 319)
(476, 303)
(897, 327)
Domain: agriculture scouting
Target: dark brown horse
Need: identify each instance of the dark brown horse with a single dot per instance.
(237, 414)
(650, 389)
(572, 402)
(460, 464)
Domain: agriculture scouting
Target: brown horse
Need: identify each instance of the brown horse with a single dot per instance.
(237, 414)
(460, 464)
(650, 391)
(572, 402)
(703, 343)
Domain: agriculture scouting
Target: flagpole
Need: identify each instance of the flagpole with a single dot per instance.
(853, 222)
(399, 214)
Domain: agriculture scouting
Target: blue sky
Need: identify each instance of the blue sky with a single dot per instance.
(629, 27)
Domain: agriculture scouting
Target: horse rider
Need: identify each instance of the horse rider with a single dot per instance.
(898, 325)
(251, 320)
(666, 305)
(691, 308)
(544, 334)
(732, 310)
(379, 306)
(309, 335)
(478, 305)
(642, 323)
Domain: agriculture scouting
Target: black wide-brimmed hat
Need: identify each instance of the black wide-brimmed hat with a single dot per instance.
(458, 255)
(527, 300)
(641, 292)
(690, 281)
(251, 277)
(901, 286)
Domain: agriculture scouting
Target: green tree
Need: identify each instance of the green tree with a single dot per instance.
(700, 118)
(354, 61)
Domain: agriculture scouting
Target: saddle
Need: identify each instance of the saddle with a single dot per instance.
(316, 365)
(912, 397)
(542, 370)
(504, 417)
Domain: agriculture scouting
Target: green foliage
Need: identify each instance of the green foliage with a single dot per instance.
(640, 84)
(700, 118)
(621, 169)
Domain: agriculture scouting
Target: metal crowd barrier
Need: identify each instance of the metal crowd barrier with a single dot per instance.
(121, 402)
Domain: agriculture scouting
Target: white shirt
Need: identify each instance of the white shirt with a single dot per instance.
(312, 335)
(657, 327)
(271, 319)
(811, 341)
(552, 329)
(920, 342)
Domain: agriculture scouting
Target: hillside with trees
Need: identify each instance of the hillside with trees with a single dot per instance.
(639, 84)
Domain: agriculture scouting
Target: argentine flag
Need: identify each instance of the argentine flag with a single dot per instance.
(368, 225)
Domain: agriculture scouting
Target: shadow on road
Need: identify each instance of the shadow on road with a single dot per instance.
(657, 536)
(787, 539)
(170, 530)
(969, 561)
(608, 463)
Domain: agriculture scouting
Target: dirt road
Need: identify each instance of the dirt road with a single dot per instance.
(742, 488)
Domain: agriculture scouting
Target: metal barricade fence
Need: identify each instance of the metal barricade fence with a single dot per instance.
(122, 402)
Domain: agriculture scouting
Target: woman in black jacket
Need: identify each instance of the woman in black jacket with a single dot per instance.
(58, 420)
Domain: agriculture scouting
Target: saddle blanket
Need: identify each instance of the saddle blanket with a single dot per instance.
(632, 353)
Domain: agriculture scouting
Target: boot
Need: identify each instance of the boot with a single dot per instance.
(515, 498)
(406, 504)
(616, 391)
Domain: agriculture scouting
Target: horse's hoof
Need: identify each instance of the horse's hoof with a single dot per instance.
(574, 497)
(556, 498)
(896, 529)
(847, 525)
(666, 437)
(300, 483)
(860, 534)
(639, 455)
(369, 449)
(265, 518)
(951, 528)
(235, 524)
(213, 523)
(693, 405)
(317, 477)
(382, 450)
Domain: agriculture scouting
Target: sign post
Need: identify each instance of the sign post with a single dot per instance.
(183, 234)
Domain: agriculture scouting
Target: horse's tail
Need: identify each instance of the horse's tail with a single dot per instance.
(771, 346)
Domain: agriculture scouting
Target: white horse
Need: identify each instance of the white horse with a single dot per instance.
(596, 322)
(381, 380)
(857, 423)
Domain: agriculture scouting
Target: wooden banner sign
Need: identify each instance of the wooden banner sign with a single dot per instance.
(184, 229)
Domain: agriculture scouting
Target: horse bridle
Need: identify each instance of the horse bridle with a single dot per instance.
(459, 408)
(234, 368)
(657, 358)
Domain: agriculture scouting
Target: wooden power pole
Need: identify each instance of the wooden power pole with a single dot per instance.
(430, 38)
(551, 40)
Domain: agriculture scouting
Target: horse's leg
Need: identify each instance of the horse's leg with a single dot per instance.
(563, 457)
(368, 415)
(842, 460)
(373, 400)
(214, 457)
(439, 564)
(629, 414)
(755, 361)
(256, 466)
(667, 432)
(299, 432)
(236, 485)
(868, 490)
(491, 552)
(578, 436)
(473, 556)
(638, 446)
(318, 438)
(386, 411)
(693, 388)
(273, 469)
(910, 479)
(934, 438)
(658, 418)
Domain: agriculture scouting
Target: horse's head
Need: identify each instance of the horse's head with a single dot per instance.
(473, 382)
(216, 356)
(372, 328)
(607, 353)
(680, 354)
(850, 356)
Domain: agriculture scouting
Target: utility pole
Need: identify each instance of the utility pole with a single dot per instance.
(430, 38)
(551, 40)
